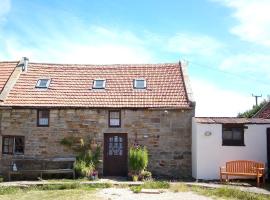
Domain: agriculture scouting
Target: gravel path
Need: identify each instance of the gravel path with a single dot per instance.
(126, 194)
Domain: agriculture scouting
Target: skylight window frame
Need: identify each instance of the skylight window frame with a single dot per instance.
(43, 87)
(135, 86)
(95, 85)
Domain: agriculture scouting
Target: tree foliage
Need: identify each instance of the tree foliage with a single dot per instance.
(251, 112)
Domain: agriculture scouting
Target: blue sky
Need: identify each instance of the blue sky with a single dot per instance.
(225, 42)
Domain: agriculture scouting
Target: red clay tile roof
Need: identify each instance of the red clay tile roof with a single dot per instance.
(231, 120)
(6, 69)
(264, 112)
(71, 86)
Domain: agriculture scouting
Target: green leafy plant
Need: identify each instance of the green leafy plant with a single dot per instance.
(87, 159)
(138, 159)
(83, 169)
(251, 112)
(145, 176)
(136, 189)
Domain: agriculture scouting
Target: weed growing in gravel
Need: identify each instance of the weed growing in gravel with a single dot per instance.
(156, 185)
(136, 189)
(228, 193)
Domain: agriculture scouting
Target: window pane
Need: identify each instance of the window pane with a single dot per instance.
(114, 122)
(43, 117)
(227, 135)
(114, 115)
(99, 83)
(139, 83)
(43, 83)
(237, 134)
(19, 145)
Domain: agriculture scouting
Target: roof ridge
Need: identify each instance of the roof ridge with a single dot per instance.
(107, 65)
(9, 62)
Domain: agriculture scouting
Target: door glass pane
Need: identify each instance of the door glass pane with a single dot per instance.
(115, 138)
(111, 139)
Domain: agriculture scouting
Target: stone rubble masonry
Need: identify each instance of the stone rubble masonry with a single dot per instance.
(166, 134)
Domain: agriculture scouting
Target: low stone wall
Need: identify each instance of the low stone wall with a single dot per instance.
(166, 134)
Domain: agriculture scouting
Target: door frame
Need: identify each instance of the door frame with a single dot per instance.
(125, 154)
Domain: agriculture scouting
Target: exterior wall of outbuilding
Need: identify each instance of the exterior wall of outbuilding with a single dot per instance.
(208, 154)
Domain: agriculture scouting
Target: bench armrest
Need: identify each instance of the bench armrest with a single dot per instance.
(260, 170)
(222, 169)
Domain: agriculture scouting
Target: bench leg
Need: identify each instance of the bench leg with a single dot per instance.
(9, 176)
(258, 181)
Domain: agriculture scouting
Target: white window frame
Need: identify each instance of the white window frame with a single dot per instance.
(95, 82)
(135, 83)
(47, 84)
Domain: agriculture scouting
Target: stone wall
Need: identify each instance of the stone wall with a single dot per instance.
(167, 134)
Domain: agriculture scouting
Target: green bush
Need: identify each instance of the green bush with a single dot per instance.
(138, 159)
(83, 169)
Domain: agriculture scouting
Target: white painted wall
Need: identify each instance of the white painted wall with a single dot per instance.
(208, 154)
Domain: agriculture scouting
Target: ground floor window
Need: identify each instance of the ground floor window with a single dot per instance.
(13, 145)
(233, 135)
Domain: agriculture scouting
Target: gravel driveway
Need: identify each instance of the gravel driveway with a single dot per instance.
(126, 194)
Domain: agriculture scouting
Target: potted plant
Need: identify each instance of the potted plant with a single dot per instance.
(138, 161)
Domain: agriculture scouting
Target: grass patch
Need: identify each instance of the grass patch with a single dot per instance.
(136, 189)
(156, 185)
(73, 194)
(179, 187)
(228, 193)
(64, 186)
(150, 185)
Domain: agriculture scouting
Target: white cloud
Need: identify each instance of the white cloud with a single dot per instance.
(253, 20)
(188, 44)
(98, 45)
(5, 6)
(218, 102)
(248, 63)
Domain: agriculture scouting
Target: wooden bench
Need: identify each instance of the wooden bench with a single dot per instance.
(41, 166)
(243, 168)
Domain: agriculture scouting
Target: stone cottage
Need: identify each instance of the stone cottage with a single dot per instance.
(116, 105)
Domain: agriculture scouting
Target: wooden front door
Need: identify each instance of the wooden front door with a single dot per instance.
(115, 154)
(268, 150)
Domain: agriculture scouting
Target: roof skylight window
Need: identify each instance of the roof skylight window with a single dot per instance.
(99, 84)
(43, 83)
(139, 84)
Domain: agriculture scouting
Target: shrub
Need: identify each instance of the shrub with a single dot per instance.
(83, 169)
(87, 158)
(145, 175)
(138, 159)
